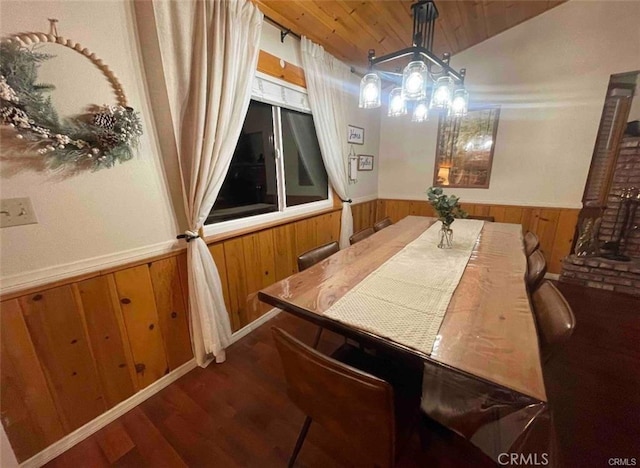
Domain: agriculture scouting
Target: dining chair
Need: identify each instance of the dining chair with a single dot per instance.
(536, 269)
(310, 258)
(380, 225)
(531, 243)
(554, 318)
(313, 256)
(351, 404)
(491, 219)
(361, 235)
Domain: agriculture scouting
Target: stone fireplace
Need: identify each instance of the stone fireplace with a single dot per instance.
(597, 271)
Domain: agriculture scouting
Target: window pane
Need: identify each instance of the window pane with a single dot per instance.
(305, 175)
(250, 187)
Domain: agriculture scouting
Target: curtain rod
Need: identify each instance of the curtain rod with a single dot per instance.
(284, 31)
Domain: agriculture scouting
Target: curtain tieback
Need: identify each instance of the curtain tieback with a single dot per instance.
(188, 236)
(346, 201)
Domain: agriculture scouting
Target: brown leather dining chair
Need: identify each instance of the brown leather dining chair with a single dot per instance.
(350, 404)
(490, 219)
(383, 223)
(310, 258)
(361, 235)
(531, 243)
(536, 269)
(313, 256)
(554, 318)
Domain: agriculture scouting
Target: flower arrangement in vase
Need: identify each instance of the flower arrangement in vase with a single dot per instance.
(448, 209)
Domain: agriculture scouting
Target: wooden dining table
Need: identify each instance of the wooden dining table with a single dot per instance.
(483, 378)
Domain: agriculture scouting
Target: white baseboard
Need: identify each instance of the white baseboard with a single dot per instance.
(114, 413)
(244, 331)
(34, 278)
(108, 417)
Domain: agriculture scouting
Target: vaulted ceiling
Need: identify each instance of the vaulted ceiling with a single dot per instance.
(348, 29)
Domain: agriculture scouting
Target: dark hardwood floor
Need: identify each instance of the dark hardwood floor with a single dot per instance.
(238, 414)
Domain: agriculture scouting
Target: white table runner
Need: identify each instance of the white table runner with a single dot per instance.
(406, 298)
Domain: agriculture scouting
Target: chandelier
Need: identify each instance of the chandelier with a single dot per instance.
(428, 82)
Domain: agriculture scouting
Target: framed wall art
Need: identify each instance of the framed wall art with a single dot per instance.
(365, 162)
(355, 135)
(464, 153)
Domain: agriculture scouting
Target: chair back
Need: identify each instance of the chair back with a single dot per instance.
(361, 235)
(554, 318)
(380, 225)
(491, 219)
(354, 406)
(531, 243)
(313, 256)
(536, 269)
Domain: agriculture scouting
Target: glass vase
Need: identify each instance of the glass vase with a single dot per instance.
(446, 237)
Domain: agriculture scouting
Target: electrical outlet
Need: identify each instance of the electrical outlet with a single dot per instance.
(16, 212)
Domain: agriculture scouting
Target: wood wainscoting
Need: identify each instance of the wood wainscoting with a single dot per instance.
(554, 226)
(365, 215)
(73, 349)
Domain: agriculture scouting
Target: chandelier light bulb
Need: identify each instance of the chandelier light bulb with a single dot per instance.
(460, 103)
(370, 91)
(420, 112)
(397, 104)
(442, 91)
(414, 81)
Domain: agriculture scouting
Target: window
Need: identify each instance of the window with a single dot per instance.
(258, 180)
(304, 173)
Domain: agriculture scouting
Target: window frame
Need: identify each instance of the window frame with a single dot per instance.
(298, 104)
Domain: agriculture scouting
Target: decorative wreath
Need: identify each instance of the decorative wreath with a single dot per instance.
(98, 139)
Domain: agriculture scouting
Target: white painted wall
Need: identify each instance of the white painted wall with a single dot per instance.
(92, 218)
(550, 76)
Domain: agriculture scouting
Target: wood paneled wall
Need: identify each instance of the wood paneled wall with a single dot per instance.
(255, 260)
(554, 226)
(364, 215)
(275, 66)
(73, 349)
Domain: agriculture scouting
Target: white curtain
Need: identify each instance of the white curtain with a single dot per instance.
(326, 77)
(209, 52)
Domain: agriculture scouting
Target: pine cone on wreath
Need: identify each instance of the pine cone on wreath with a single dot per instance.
(108, 140)
(104, 120)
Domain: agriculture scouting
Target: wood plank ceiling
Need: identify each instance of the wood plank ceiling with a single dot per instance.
(348, 29)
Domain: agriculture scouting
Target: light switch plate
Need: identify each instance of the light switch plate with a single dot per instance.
(16, 212)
